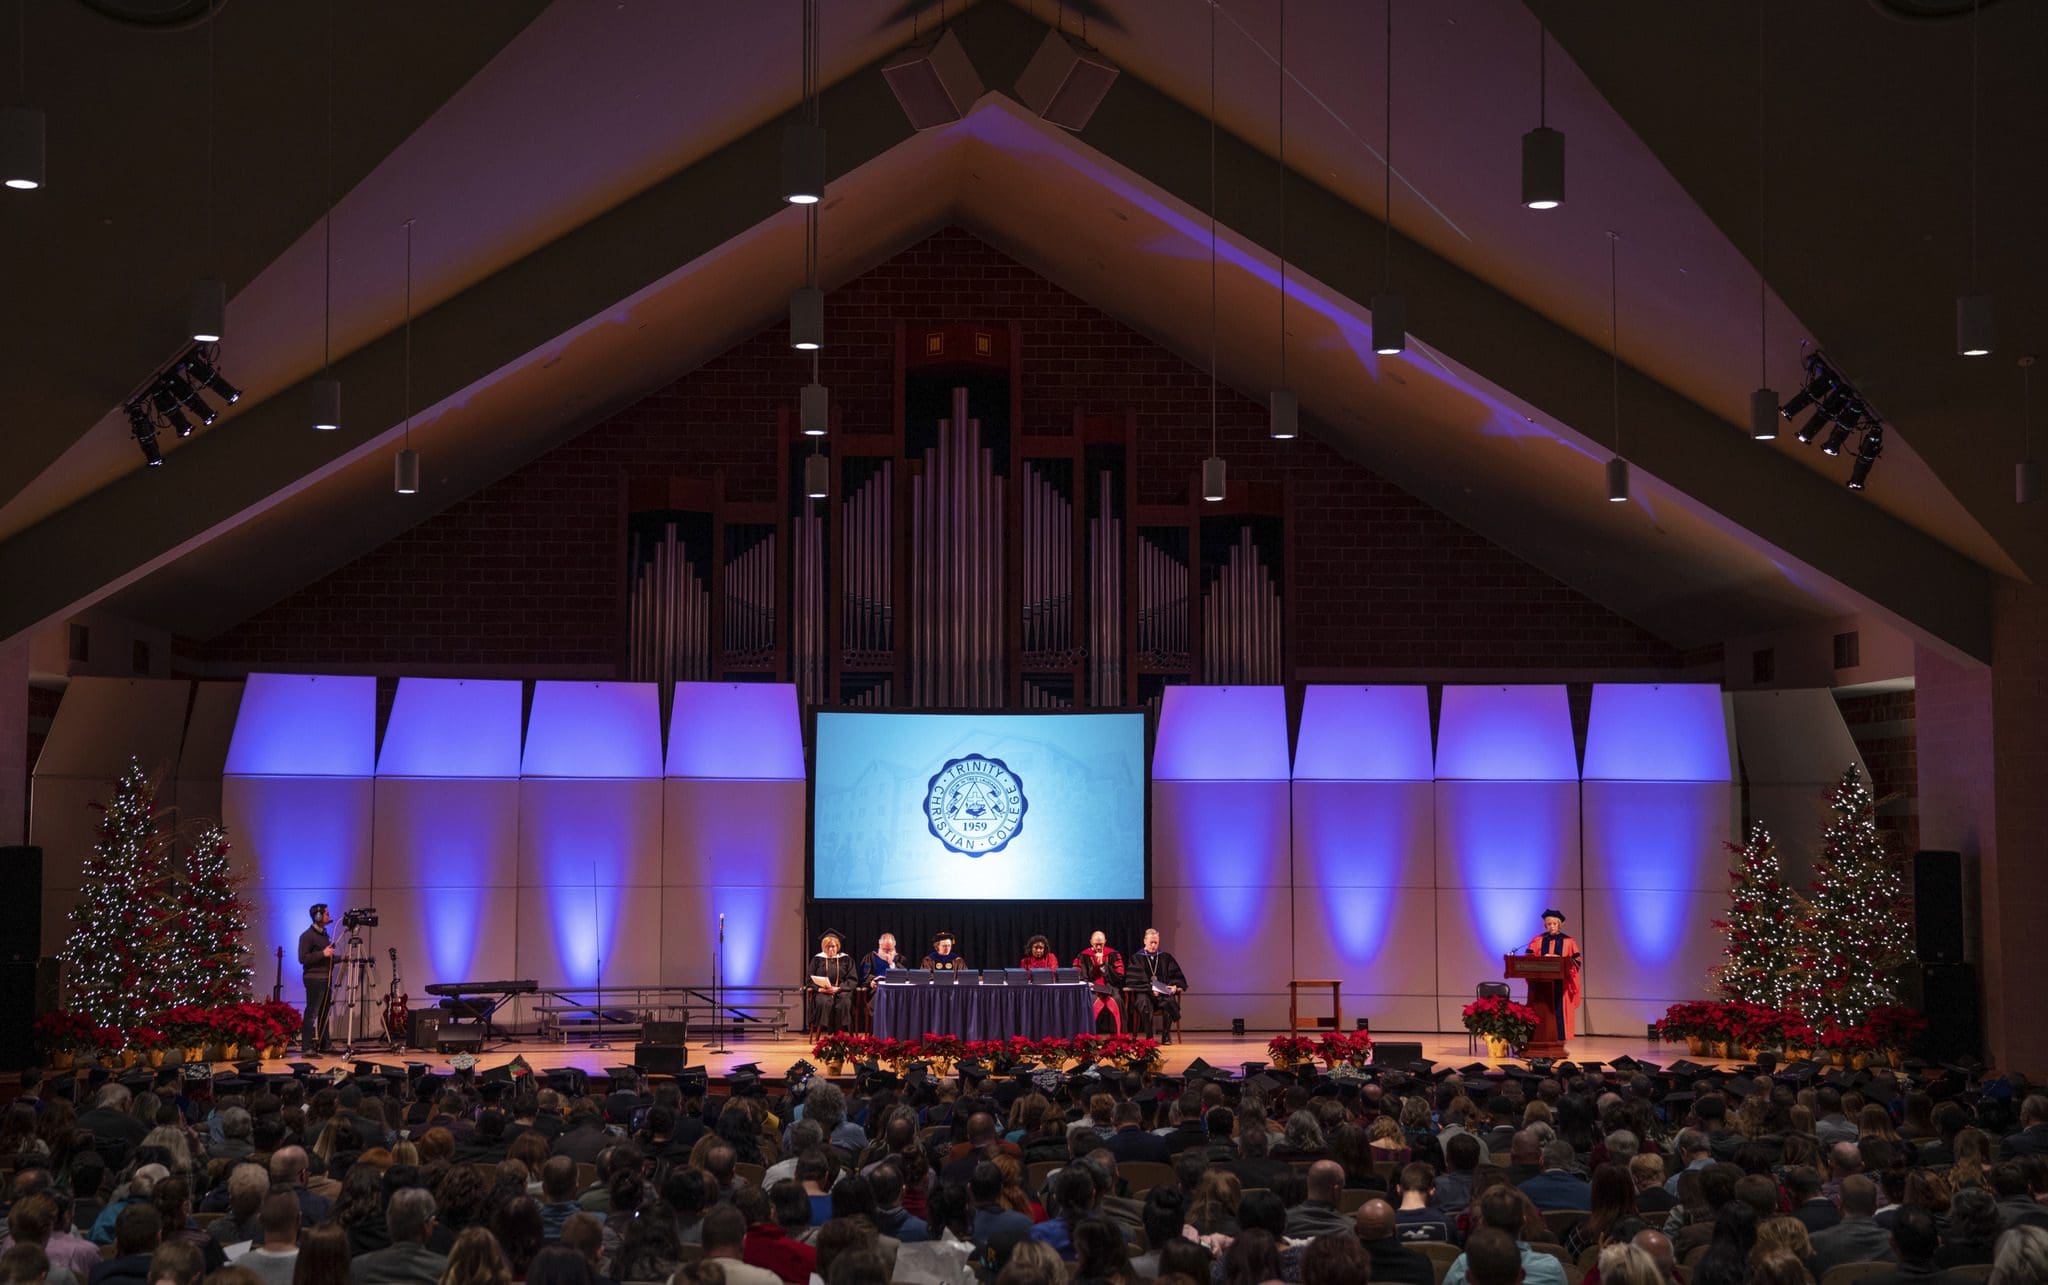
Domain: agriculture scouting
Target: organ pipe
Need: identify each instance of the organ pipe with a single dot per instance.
(668, 613)
(956, 569)
(1241, 619)
(1105, 599)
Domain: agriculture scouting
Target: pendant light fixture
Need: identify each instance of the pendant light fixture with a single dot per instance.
(1542, 147)
(1763, 403)
(1389, 310)
(807, 302)
(817, 476)
(405, 467)
(2026, 475)
(1283, 408)
(327, 389)
(1617, 467)
(1213, 480)
(803, 140)
(22, 131)
(1974, 327)
(209, 311)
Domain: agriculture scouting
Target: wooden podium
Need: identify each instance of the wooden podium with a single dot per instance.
(1546, 976)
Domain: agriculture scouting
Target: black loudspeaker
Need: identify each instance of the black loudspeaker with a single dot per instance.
(1955, 1022)
(676, 1033)
(423, 1027)
(459, 1039)
(1938, 906)
(1396, 1052)
(17, 1011)
(21, 910)
(660, 1059)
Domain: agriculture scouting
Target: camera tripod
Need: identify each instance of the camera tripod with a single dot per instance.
(355, 995)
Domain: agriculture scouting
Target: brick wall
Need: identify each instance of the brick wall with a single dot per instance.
(1883, 725)
(524, 573)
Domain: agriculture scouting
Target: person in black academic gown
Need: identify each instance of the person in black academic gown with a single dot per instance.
(1149, 1006)
(832, 979)
(942, 957)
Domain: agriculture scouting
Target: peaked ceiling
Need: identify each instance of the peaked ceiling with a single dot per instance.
(592, 189)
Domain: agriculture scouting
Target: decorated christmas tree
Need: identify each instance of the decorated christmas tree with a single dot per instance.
(210, 929)
(119, 957)
(1862, 928)
(1766, 952)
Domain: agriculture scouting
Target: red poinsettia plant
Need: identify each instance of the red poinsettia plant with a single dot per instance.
(1340, 1048)
(1502, 1019)
(1841, 1037)
(1291, 1048)
(1895, 1026)
(62, 1031)
(1133, 1051)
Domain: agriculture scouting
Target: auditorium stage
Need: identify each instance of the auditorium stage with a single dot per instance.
(1221, 1050)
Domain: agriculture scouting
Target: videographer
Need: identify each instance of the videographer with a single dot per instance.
(316, 962)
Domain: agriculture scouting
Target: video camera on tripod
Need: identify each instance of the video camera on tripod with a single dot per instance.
(359, 917)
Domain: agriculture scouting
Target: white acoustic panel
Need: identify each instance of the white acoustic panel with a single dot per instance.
(1364, 734)
(1475, 927)
(1390, 1015)
(593, 730)
(448, 935)
(1221, 734)
(455, 833)
(577, 937)
(1657, 732)
(305, 725)
(736, 732)
(64, 822)
(300, 831)
(1644, 944)
(1242, 933)
(1496, 733)
(209, 731)
(452, 727)
(764, 936)
(1220, 833)
(1382, 938)
(1364, 834)
(1647, 834)
(1514, 834)
(1263, 1012)
(574, 833)
(104, 722)
(732, 832)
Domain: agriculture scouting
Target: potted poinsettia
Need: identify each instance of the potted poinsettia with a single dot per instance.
(1851, 1045)
(1290, 1051)
(63, 1034)
(1502, 1023)
(1893, 1029)
(1345, 1048)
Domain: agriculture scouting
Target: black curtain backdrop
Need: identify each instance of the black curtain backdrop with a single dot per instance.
(989, 934)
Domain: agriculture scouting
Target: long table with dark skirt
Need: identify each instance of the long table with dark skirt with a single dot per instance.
(975, 1012)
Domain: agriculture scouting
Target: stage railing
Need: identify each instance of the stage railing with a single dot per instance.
(765, 1008)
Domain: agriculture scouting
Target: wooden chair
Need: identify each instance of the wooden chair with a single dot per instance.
(1693, 1256)
(206, 1220)
(1440, 1255)
(1038, 1171)
(1349, 1199)
(1849, 1273)
(1562, 1221)
(1589, 1256)
(751, 1172)
(585, 1175)
(1144, 1175)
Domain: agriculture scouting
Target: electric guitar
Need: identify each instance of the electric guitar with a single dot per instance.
(396, 1006)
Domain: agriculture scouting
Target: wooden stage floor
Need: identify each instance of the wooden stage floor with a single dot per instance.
(1221, 1050)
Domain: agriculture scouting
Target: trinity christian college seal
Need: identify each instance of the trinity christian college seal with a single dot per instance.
(974, 805)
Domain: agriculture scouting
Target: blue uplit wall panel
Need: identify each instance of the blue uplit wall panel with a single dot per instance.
(1377, 940)
(448, 936)
(1235, 943)
(452, 727)
(731, 833)
(1495, 733)
(593, 730)
(1364, 734)
(1507, 834)
(1652, 947)
(762, 926)
(1364, 834)
(1222, 734)
(461, 833)
(305, 725)
(573, 834)
(565, 934)
(1475, 927)
(300, 832)
(277, 915)
(1657, 732)
(1657, 836)
(1219, 834)
(736, 732)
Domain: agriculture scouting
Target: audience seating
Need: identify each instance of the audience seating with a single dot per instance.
(1144, 1175)
(1562, 1221)
(1848, 1273)
(1441, 1256)
(751, 1172)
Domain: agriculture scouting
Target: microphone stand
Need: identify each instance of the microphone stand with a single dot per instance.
(597, 939)
(717, 999)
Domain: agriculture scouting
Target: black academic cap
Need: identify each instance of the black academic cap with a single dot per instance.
(1021, 1072)
(1249, 1069)
(362, 1069)
(972, 1072)
(1198, 1069)
(1681, 1102)
(302, 1068)
(564, 1079)
(874, 1079)
(1474, 1070)
(1173, 1084)
(917, 1074)
(1325, 1088)
(196, 1073)
(1740, 1087)
(694, 1078)
(137, 1081)
(1688, 1070)
(1591, 1067)
(97, 1074)
(494, 1091)
(626, 1075)
(744, 1084)
(497, 1074)
(744, 1068)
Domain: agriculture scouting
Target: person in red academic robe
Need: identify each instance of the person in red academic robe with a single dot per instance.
(1103, 969)
(1554, 940)
(1038, 954)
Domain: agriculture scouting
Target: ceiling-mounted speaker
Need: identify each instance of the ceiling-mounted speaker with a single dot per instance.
(934, 82)
(1066, 81)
